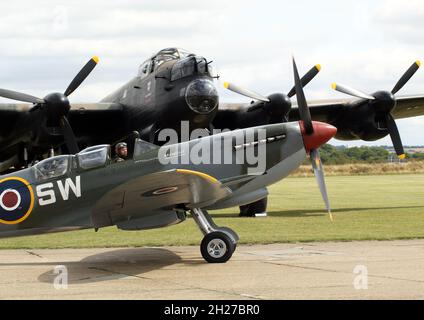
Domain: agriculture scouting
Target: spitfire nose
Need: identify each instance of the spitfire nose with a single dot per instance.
(322, 133)
(202, 96)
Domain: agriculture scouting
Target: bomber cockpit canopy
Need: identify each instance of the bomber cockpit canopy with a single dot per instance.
(162, 56)
(189, 66)
(171, 54)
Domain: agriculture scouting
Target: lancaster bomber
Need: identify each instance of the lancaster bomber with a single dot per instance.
(175, 86)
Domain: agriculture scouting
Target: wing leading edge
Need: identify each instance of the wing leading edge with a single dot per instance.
(327, 110)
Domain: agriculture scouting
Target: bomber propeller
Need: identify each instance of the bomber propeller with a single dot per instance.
(56, 105)
(314, 134)
(277, 103)
(383, 103)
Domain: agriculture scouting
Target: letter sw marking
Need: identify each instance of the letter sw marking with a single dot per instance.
(47, 195)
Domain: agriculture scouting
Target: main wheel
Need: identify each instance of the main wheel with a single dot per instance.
(217, 247)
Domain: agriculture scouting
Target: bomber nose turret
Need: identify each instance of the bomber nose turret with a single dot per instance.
(202, 96)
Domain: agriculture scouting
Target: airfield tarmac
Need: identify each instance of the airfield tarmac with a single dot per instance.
(277, 271)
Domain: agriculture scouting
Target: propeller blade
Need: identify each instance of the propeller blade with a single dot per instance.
(350, 91)
(306, 79)
(82, 75)
(245, 92)
(69, 136)
(305, 115)
(395, 136)
(319, 175)
(406, 76)
(14, 95)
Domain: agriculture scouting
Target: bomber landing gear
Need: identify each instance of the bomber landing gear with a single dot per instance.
(219, 243)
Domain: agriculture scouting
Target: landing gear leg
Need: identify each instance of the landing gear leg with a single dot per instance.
(219, 243)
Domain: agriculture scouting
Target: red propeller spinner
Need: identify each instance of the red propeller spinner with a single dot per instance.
(322, 132)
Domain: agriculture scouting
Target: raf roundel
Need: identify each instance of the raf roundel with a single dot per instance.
(16, 200)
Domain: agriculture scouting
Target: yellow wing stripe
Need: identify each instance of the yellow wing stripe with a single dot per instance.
(197, 173)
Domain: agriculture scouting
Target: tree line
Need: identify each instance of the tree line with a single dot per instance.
(341, 155)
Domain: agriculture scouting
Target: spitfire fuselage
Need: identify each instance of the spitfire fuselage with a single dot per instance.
(89, 191)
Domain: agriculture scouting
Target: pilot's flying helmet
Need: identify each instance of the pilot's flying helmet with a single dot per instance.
(120, 145)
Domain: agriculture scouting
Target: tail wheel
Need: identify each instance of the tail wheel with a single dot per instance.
(217, 247)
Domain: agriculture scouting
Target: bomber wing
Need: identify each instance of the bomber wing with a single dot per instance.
(326, 110)
(92, 121)
(236, 115)
(409, 106)
(406, 107)
(20, 125)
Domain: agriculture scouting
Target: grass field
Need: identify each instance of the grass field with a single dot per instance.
(355, 169)
(364, 207)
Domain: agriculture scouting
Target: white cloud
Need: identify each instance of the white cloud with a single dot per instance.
(401, 22)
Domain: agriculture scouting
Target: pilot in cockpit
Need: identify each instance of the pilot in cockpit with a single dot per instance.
(121, 152)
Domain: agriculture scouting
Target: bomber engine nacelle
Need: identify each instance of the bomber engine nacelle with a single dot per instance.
(375, 110)
(365, 121)
(277, 105)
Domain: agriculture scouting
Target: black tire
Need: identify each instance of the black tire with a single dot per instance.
(220, 239)
(249, 210)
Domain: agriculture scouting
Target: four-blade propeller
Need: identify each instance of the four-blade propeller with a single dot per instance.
(277, 102)
(56, 105)
(256, 96)
(314, 134)
(383, 103)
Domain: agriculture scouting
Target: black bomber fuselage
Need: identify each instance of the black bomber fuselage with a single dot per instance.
(165, 93)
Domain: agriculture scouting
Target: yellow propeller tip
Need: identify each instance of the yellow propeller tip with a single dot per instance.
(318, 66)
(402, 156)
(226, 85)
(331, 216)
(418, 62)
(95, 59)
(334, 86)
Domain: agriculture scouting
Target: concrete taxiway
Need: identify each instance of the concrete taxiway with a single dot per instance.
(343, 270)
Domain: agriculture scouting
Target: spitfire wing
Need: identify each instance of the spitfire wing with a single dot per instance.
(156, 192)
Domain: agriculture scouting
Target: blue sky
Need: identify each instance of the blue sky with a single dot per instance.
(364, 44)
